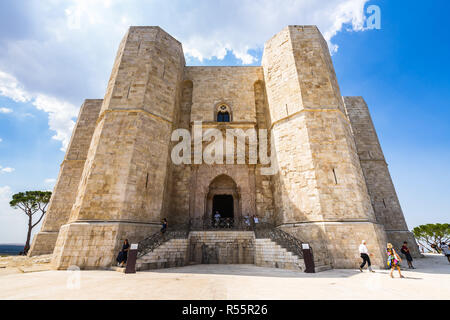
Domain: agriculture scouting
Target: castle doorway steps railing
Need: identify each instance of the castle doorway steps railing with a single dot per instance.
(219, 247)
(282, 238)
(180, 231)
(262, 230)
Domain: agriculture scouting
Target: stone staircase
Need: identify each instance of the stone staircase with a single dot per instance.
(220, 247)
(173, 253)
(272, 255)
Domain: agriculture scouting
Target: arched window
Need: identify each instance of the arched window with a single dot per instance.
(223, 114)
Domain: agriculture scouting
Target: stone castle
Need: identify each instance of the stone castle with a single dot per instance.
(333, 188)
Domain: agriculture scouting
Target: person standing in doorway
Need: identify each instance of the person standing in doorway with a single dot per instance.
(405, 251)
(255, 221)
(365, 255)
(217, 218)
(393, 260)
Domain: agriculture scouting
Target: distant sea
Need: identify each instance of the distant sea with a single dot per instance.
(10, 249)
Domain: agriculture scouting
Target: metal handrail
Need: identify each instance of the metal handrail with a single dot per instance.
(266, 230)
(263, 230)
(220, 224)
(180, 231)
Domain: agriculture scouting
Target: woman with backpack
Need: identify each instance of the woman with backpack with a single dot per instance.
(393, 260)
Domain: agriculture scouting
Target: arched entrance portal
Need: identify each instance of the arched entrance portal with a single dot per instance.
(224, 204)
(223, 196)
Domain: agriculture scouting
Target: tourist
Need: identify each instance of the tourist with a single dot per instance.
(228, 223)
(434, 247)
(407, 253)
(393, 260)
(217, 218)
(247, 222)
(365, 255)
(421, 248)
(164, 226)
(255, 221)
(123, 254)
(445, 250)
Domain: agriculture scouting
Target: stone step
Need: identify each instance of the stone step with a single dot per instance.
(263, 252)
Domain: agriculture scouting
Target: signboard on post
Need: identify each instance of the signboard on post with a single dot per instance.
(308, 258)
(132, 257)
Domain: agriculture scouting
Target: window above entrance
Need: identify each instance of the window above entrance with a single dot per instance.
(223, 113)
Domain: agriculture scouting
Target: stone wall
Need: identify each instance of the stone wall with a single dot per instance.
(320, 177)
(381, 189)
(95, 245)
(332, 189)
(68, 180)
(125, 175)
(222, 247)
(233, 86)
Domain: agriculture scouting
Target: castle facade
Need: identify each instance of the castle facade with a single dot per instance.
(331, 187)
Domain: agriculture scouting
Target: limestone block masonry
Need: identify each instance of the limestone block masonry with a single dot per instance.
(332, 188)
(220, 247)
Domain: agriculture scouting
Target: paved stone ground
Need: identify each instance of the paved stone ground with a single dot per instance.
(431, 280)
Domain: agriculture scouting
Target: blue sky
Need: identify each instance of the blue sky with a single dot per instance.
(54, 54)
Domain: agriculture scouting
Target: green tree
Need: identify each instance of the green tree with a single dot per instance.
(430, 234)
(31, 202)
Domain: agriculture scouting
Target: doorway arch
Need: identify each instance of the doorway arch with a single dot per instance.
(223, 196)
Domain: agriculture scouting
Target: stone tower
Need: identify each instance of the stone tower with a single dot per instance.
(322, 194)
(121, 190)
(332, 189)
(386, 205)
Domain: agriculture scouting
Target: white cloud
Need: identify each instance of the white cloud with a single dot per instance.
(60, 113)
(65, 50)
(1, 140)
(6, 170)
(10, 87)
(86, 33)
(5, 110)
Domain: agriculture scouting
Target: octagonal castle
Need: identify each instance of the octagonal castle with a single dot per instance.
(333, 188)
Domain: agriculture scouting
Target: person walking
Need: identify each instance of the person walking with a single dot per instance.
(394, 260)
(407, 253)
(365, 255)
(445, 250)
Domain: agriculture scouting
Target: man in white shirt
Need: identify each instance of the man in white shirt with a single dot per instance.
(364, 252)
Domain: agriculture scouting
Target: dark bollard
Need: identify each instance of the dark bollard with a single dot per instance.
(308, 258)
(132, 257)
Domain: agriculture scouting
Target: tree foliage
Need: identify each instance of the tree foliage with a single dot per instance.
(31, 203)
(432, 234)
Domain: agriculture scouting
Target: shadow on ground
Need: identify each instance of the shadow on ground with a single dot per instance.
(433, 264)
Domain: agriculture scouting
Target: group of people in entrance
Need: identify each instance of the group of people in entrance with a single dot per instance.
(228, 222)
(393, 259)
